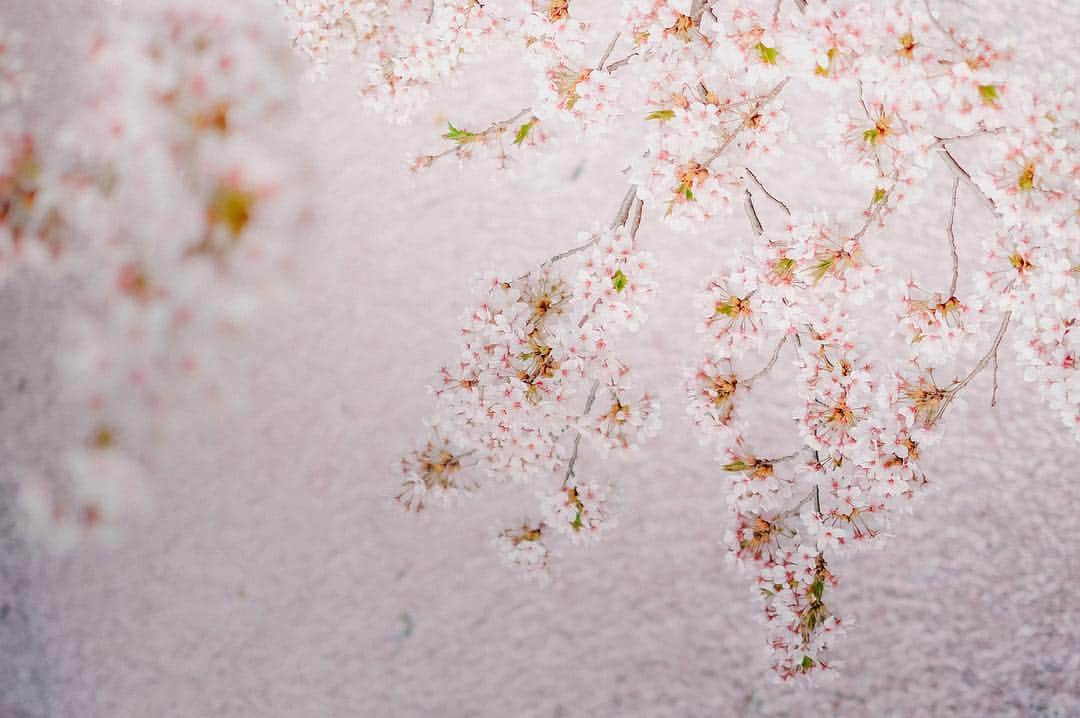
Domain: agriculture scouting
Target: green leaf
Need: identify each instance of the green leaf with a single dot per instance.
(807, 663)
(738, 465)
(688, 193)
(618, 280)
(767, 54)
(822, 268)
(880, 194)
(871, 135)
(989, 94)
(459, 136)
(817, 588)
(522, 132)
(728, 309)
(660, 115)
(577, 524)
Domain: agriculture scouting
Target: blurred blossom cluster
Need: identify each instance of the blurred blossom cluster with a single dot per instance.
(712, 88)
(167, 201)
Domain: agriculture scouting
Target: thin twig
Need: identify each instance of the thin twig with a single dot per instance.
(991, 355)
(772, 362)
(964, 175)
(952, 239)
(993, 394)
(620, 220)
(624, 208)
(634, 222)
(872, 213)
(619, 63)
(577, 439)
(939, 26)
(768, 194)
(751, 113)
(496, 128)
(607, 52)
(751, 213)
(981, 132)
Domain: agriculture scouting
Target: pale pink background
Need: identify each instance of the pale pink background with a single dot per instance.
(277, 578)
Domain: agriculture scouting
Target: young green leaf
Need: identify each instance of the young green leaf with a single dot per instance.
(522, 132)
(767, 54)
(456, 135)
(989, 94)
(618, 280)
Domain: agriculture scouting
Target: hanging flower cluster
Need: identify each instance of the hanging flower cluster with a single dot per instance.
(871, 404)
(536, 374)
(402, 48)
(712, 88)
(176, 210)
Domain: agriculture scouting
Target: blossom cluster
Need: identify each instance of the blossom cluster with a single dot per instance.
(401, 47)
(871, 404)
(174, 209)
(903, 100)
(536, 375)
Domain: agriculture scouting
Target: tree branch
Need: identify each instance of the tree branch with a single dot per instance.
(964, 175)
(751, 213)
(952, 240)
(768, 194)
(754, 110)
(577, 439)
(991, 355)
